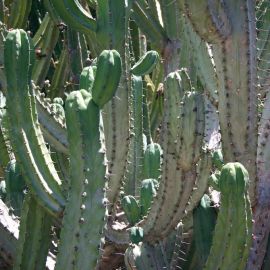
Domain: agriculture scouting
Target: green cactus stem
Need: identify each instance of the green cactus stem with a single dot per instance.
(26, 135)
(19, 13)
(34, 238)
(232, 236)
(15, 187)
(134, 172)
(44, 42)
(84, 216)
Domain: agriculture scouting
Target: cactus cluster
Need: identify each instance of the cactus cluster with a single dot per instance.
(134, 134)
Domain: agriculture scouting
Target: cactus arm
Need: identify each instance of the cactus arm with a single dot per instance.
(234, 56)
(154, 6)
(154, 20)
(232, 227)
(84, 215)
(146, 63)
(204, 65)
(170, 16)
(116, 116)
(175, 167)
(19, 19)
(209, 19)
(15, 186)
(118, 14)
(94, 215)
(148, 191)
(203, 170)
(116, 125)
(146, 119)
(8, 233)
(235, 248)
(4, 156)
(68, 239)
(45, 42)
(34, 238)
(27, 132)
(154, 32)
(74, 15)
(4, 149)
(53, 127)
(131, 209)
(51, 10)
(144, 256)
(103, 23)
(261, 214)
(262, 24)
(263, 45)
(135, 167)
(157, 109)
(204, 219)
(60, 76)
(170, 168)
(152, 161)
(249, 236)
(75, 60)
(87, 78)
(2, 10)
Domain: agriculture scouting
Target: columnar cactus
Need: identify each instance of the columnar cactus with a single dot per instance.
(118, 112)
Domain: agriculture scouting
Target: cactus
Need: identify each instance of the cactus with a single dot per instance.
(152, 102)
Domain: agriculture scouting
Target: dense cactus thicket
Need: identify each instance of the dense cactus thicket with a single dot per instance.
(134, 134)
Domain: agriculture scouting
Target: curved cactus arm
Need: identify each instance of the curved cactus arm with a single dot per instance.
(53, 128)
(85, 213)
(231, 240)
(74, 15)
(146, 63)
(34, 238)
(27, 140)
